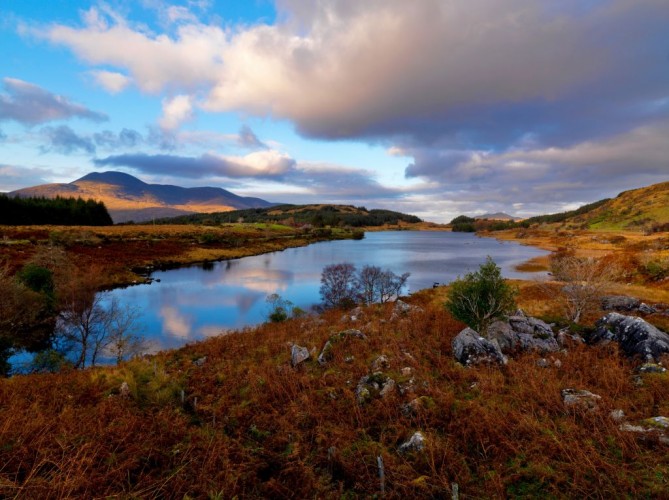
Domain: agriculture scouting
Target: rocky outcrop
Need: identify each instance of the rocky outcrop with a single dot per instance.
(650, 428)
(415, 443)
(580, 399)
(635, 336)
(326, 352)
(620, 303)
(374, 386)
(469, 348)
(523, 333)
(298, 355)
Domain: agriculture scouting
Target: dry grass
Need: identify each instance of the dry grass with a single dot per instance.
(252, 426)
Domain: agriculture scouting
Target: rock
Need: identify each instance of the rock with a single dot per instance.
(646, 309)
(415, 443)
(581, 399)
(414, 406)
(566, 339)
(124, 390)
(326, 352)
(635, 336)
(523, 333)
(298, 355)
(620, 303)
(401, 309)
(372, 386)
(380, 363)
(200, 361)
(407, 371)
(469, 348)
(617, 415)
(543, 363)
(651, 368)
(650, 428)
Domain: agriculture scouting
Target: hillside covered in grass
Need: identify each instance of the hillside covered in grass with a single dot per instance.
(231, 417)
(315, 215)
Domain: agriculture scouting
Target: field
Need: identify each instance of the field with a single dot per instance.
(231, 417)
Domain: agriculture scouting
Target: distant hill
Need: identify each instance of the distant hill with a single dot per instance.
(498, 216)
(128, 198)
(315, 215)
(644, 209)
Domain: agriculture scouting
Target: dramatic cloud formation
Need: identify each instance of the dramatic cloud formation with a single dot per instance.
(260, 164)
(517, 103)
(31, 105)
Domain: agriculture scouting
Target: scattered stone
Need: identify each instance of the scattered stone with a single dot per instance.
(326, 352)
(617, 415)
(650, 428)
(372, 386)
(401, 309)
(298, 355)
(415, 443)
(620, 303)
(415, 405)
(565, 338)
(635, 336)
(557, 363)
(408, 386)
(582, 399)
(523, 333)
(200, 361)
(349, 359)
(646, 309)
(124, 390)
(469, 348)
(380, 363)
(651, 368)
(407, 371)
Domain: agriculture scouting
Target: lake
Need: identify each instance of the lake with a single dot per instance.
(196, 302)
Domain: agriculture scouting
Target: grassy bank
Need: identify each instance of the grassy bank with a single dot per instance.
(230, 417)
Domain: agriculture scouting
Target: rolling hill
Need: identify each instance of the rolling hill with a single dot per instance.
(638, 209)
(130, 199)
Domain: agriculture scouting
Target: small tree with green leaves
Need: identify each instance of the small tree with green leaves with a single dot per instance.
(481, 297)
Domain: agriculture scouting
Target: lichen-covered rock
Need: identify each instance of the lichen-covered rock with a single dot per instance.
(372, 386)
(619, 303)
(298, 355)
(580, 399)
(380, 363)
(469, 348)
(523, 333)
(326, 352)
(415, 443)
(415, 406)
(635, 336)
(651, 368)
(650, 428)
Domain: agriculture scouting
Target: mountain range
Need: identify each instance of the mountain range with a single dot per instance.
(129, 199)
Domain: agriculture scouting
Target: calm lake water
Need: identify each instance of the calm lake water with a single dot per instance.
(193, 303)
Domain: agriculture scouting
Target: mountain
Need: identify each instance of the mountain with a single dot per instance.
(128, 198)
(643, 209)
(498, 216)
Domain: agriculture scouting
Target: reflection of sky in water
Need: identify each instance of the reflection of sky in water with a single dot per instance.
(195, 302)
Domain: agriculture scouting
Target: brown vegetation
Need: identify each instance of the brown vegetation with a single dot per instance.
(250, 425)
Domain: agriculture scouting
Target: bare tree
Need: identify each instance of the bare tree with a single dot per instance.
(376, 285)
(584, 278)
(338, 285)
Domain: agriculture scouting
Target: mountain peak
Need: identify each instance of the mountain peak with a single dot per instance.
(111, 177)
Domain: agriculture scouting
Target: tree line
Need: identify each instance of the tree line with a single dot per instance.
(16, 211)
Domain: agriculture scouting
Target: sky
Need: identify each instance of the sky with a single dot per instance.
(431, 107)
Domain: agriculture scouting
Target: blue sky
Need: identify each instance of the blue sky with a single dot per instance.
(430, 107)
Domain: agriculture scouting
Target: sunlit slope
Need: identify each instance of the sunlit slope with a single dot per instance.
(128, 198)
(638, 209)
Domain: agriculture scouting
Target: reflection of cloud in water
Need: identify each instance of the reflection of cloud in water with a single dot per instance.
(246, 301)
(175, 323)
(262, 280)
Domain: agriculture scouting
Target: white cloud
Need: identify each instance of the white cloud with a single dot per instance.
(111, 81)
(176, 111)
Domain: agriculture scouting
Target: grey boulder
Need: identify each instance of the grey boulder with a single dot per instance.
(636, 336)
(469, 348)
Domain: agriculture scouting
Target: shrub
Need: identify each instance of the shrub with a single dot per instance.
(481, 297)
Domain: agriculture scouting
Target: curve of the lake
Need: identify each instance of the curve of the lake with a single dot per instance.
(192, 303)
